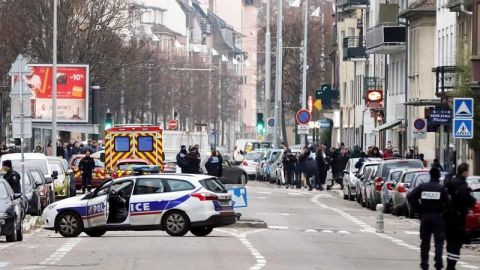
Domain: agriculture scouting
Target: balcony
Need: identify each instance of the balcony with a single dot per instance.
(354, 49)
(445, 78)
(348, 5)
(385, 39)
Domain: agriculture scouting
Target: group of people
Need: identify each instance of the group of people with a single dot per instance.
(443, 210)
(189, 161)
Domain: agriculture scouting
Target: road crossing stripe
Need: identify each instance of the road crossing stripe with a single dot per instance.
(345, 232)
(4, 264)
(278, 227)
(327, 231)
(310, 231)
(412, 232)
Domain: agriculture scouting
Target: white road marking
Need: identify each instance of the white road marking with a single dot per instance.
(264, 192)
(327, 231)
(61, 252)
(311, 231)
(4, 264)
(369, 228)
(261, 261)
(412, 232)
(344, 232)
(5, 246)
(258, 198)
(273, 227)
(295, 194)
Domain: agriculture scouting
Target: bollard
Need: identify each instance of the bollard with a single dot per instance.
(379, 228)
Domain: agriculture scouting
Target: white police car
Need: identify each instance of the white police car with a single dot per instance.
(176, 203)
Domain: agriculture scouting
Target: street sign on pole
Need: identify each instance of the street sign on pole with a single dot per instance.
(419, 128)
(173, 124)
(463, 108)
(271, 123)
(303, 129)
(303, 117)
(463, 128)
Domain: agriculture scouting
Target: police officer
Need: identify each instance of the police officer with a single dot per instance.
(11, 176)
(430, 200)
(461, 200)
(86, 166)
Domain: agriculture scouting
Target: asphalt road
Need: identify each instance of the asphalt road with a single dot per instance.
(307, 230)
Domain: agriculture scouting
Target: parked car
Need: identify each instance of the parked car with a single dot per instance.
(472, 227)
(261, 166)
(271, 157)
(363, 175)
(387, 187)
(11, 213)
(233, 175)
(249, 164)
(350, 179)
(98, 176)
(32, 201)
(65, 183)
(34, 161)
(369, 187)
(400, 190)
(384, 170)
(276, 166)
(42, 186)
(171, 166)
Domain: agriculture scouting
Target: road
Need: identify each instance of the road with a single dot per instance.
(307, 230)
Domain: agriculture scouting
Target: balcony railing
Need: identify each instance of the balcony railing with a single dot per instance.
(345, 5)
(445, 78)
(354, 49)
(385, 39)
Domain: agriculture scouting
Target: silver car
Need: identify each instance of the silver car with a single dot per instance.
(350, 179)
(400, 190)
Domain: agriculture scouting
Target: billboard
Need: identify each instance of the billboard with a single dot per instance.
(72, 93)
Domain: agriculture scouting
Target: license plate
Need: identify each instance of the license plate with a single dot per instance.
(225, 203)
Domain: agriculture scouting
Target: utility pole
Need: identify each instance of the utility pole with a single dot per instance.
(268, 64)
(278, 75)
(54, 81)
(305, 64)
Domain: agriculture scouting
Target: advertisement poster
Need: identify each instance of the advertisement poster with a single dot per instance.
(72, 93)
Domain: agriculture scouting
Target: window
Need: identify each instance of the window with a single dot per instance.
(122, 144)
(179, 185)
(36, 177)
(3, 192)
(148, 186)
(213, 185)
(28, 183)
(145, 144)
(40, 164)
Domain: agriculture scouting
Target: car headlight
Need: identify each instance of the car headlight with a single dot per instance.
(3, 215)
(51, 206)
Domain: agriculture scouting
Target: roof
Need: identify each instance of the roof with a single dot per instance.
(425, 7)
(18, 156)
(190, 177)
(163, 29)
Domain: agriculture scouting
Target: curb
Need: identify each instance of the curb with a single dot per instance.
(30, 223)
(249, 223)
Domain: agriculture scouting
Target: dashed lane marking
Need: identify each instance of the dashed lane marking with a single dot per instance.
(264, 192)
(260, 259)
(258, 198)
(311, 231)
(273, 227)
(61, 252)
(4, 264)
(370, 229)
(413, 232)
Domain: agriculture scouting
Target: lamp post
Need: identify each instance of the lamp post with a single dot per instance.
(305, 64)
(54, 80)
(268, 63)
(278, 75)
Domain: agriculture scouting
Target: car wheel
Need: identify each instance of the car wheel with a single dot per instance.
(243, 179)
(13, 236)
(69, 224)
(176, 223)
(95, 232)
(20, 234)
(201, 231)
(345, 196)
(51, 197)
(73, 190)
(409, 213)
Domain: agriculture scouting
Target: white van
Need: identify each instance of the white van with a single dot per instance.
(33, 161)
(242, 147)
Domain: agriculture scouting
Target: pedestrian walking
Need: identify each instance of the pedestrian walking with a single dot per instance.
(430, 201)
(461, 201)
(341, 164)
(289, 162)
(48, 149)
(436, 164)
(388, 152)
(38, 149)
(86, 166)
(300, 169)
(11, 176)
(321, 167)
(193, 161)
(422, 158)
(311, 172)
(182, 159)
(213, 164)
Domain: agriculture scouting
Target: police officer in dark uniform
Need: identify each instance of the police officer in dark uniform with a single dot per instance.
(12, 177)
(461, 200)
(86, 166)
(430, 200)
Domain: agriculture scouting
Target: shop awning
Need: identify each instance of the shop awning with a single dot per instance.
(388, 125)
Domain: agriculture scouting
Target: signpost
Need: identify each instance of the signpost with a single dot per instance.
(303, 129)
(303, 117)
(463, 111)
(419, 129)
(440, 117)
(173, 125)
(271, 123)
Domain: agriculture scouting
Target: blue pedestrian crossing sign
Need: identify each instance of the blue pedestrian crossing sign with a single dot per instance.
(239, 197)
(463, 107)
(462, 128)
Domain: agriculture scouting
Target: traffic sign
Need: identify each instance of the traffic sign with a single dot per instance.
(271, 123)
(463, 107)
(419, 130)
(303, 117)
(318, 104)
(172, 124)
(239, 197)
(303, 129)
(462, 128)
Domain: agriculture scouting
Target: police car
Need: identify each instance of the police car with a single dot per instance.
(176, 203)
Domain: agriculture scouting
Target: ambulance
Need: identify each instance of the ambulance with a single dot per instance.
(133, 142)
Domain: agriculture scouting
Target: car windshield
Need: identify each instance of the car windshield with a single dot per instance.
(128, 166)
(98, 163)
(3, 192)
(30, 164)
(56, 167)
(403, 164)
(253, 156)
(471, 180)
(213, 185)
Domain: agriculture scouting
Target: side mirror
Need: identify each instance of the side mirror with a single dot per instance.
(55, 174)
(17, 196)
(38, 183)
(102, 157)
(406, 185)
(48, 180)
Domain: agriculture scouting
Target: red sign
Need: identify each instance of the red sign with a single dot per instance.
(172, 124)
(303, 117)
(310, 104)
(72, 92)
(374, 99)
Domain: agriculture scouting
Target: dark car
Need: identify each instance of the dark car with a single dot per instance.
(369, 187)
(32, 202)
(11, 213)
(233, 175)
(383, 172)
(363, 176)
(42, 187)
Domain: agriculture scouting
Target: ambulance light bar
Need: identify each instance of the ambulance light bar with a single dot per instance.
(146, 169)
